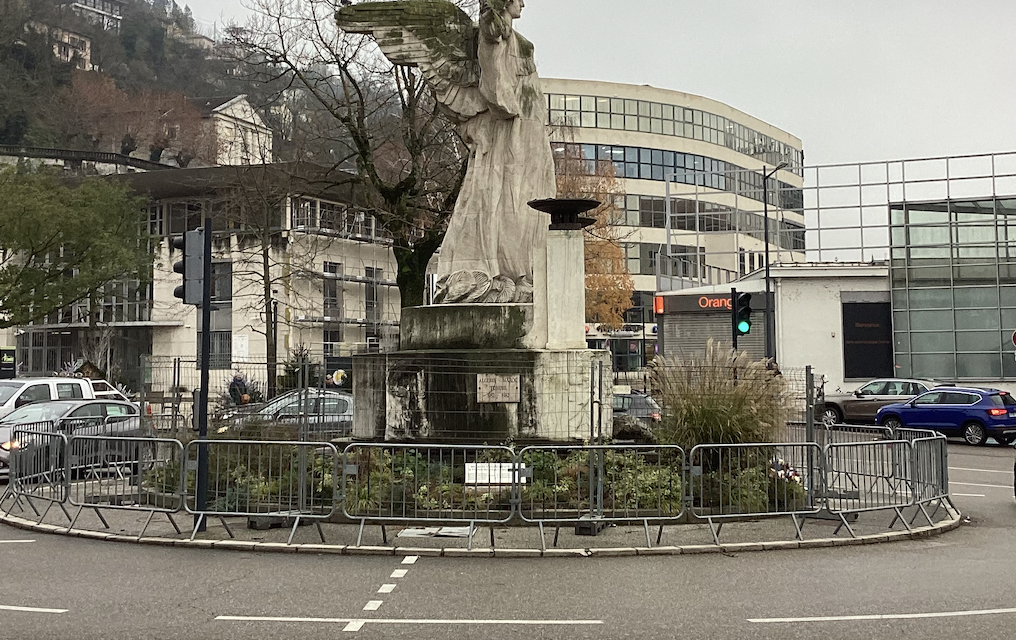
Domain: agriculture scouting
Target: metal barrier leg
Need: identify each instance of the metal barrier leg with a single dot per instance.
(798, 526)
(296, 523)
(649, 542)
(901, 518)
(543, 541)
(846, 524)
(359, 535)
(320, 531)
(557, 532)
(151, 514)
(659, 535)
(101, 519)
(715, 529)
(75, 519)
(931, 523)
(384, 535)
(469, 545)
(226, 527)
(197, 525)
(491, 529)
(173, 522)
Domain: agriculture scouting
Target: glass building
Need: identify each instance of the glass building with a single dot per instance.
(953, 279)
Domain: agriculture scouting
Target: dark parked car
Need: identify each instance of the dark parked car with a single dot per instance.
(973, 413)
(637, 405)
(861, 406)
(325, 412)
(70, 417)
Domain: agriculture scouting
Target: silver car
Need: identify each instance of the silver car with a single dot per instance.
(861, 406)
(102, 418)
(324, 413)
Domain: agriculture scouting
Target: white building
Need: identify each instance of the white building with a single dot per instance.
(241, 135)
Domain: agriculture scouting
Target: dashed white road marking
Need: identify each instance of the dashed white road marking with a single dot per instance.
(354, 625)
(15, 541)
(32, 609)
(386, 588)
(399, 573)
(979, 470)
(408, 621)
(410, 559)
(969, 495)
(973, 484)
(373, 605)
(886, 616)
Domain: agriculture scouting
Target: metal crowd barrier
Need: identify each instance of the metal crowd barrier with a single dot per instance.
(290, 480)
(38, 470)
(451, 484)
(590, 486)
(111, 474)
(753, 480)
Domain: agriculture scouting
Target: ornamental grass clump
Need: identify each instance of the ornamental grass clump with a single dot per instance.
(718, 397)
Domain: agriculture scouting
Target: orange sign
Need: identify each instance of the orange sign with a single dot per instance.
(714, 302)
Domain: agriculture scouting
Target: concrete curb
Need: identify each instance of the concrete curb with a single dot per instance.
(915, 533)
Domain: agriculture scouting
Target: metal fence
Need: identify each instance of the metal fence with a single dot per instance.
(588, 485)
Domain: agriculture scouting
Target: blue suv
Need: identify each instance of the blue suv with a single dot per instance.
(971, 412)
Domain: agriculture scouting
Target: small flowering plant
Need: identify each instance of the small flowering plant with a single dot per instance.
(783, 470)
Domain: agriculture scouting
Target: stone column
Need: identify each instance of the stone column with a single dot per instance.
(566, 289)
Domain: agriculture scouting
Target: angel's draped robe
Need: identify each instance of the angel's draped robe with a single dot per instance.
(492, 229)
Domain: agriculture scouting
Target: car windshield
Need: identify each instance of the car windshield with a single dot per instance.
(8, 388)
(39, 412)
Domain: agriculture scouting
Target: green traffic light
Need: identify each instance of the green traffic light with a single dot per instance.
(743, 327)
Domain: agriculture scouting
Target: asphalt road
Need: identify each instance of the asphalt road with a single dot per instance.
(956, 586)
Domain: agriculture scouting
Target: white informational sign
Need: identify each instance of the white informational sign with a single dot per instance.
(492, 387)
(241, 348)
(491, 473)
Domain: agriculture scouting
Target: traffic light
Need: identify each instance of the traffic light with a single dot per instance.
(742, 314)
(191, 266)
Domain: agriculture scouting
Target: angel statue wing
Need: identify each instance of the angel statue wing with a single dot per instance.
(434, 35)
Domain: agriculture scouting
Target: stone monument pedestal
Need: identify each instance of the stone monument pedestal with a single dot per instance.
(465, 374)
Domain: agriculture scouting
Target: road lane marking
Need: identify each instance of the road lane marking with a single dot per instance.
(973, 484)
(362, 621)
(979, 470)
(373, 605)
(15, 541)
(32, 609)
(354, 625)
(386, 588)
(410, 559)
(886, 616)
(969, 495)
(399, 573)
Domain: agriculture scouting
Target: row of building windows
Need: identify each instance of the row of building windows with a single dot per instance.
(311, 213)
(650, 211)
(670, 120)
(686, 168)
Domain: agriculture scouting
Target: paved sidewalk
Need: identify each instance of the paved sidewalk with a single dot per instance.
(508, 541)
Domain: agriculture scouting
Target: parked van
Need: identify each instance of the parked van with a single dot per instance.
(20, 391)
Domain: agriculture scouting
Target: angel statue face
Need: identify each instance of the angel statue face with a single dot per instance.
(513, 7)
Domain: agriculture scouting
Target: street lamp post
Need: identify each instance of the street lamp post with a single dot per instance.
(770, 336)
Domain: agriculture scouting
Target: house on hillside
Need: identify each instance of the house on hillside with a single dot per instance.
(241, 135)
(106, 13)
(330, 274)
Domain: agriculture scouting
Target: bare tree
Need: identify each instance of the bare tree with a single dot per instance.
(380, 121)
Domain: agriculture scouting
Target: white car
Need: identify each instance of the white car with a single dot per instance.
(20, 391)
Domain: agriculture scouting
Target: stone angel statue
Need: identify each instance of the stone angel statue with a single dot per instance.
(484, 76)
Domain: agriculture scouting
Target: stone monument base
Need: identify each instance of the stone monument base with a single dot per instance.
(478, 396)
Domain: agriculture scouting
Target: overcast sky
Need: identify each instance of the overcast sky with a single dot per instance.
(856, 80)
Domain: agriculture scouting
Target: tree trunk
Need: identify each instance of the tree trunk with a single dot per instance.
(412, 276)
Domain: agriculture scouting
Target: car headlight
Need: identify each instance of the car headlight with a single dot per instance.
(10, 445)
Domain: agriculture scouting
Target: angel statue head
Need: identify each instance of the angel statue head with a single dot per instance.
(514, 7)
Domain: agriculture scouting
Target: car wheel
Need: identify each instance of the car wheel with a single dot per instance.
(892, 423)
(974, 433)
(831, 416)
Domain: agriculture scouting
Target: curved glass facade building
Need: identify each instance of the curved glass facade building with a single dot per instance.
(706, 159)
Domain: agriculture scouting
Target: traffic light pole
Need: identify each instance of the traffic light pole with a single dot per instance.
(733, 318)
(201, 497)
